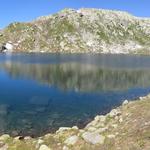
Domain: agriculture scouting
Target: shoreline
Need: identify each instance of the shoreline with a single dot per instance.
(78, 53)
(101, 132)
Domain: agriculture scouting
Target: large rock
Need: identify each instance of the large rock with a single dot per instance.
(6, 47)
(3, 109)
(125, 102)
(93, 138)
(62, 129)
(114, 113)
(4, 137)
(71, 140)
(40, 100)
(9, 46)
(5, 147)
(44, 147)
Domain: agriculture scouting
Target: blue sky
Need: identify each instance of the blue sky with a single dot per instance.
(26, 10)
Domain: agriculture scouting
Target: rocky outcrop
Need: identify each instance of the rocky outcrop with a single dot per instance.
(126, 127)
(6, 47)
(81, 31)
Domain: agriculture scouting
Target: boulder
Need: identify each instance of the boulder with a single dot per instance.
(93, 138)
(115, 112)
(40, 100)
(5, 147)
(71, 140)
(62, 129)
(3, 109)
(65, 148)
(9, 46)
(6, 47)
(44, 147)
(4, 137)
(111, 136)
(101, 130)
(125, 102)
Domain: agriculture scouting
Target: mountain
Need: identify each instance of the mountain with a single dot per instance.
(80, 31)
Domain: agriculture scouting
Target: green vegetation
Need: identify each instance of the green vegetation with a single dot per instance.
(86, 30)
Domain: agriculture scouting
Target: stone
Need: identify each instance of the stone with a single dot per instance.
(40, 100)
(93, 138)
(58, 144)
(61, 129)
(9, 46)
(125, 102)
(116, 118)
(5, 147)
(65, 148)
(44, 147)
(75, 128)
(97, 118)
(101, 130)
(141, 98)
(27, 138)
(100, 118)
(114, 126)
(3, 109)
(40, 109)
(19, 138)
(81, 131)
(115, 112)
(71, 140)
(100, 125)
(4, 137)
(121, 120)
(91, 129)
(93, 123)
(40, 141)
(111, 136)
(14, 133)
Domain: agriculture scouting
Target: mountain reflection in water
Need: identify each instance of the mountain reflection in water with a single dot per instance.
(80, 77)
(40, 93)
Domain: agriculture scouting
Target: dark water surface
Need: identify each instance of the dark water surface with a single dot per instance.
(41, 92)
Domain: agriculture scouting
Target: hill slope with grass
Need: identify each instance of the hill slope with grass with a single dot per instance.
(80, 31)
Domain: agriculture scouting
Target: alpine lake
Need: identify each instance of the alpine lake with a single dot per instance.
(41, 92)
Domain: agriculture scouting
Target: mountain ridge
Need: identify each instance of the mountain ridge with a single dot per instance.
(80, 31)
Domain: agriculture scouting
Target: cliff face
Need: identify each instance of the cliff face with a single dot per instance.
(80, 31)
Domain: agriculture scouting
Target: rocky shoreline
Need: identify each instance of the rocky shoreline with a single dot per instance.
(126, 127)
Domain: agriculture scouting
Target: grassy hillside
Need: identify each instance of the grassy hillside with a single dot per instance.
(80, 31)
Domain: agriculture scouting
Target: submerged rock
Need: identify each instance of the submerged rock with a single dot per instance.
(3, 109)
(39, 100)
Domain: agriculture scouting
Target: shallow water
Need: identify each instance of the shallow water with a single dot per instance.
(41, 92)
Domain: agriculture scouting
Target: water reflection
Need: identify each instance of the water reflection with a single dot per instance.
(80, 77)
(36, 98)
